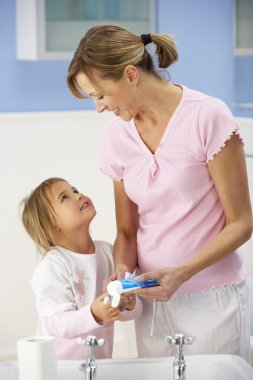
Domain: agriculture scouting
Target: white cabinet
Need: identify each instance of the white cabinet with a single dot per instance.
(243, 27)
(52, 29)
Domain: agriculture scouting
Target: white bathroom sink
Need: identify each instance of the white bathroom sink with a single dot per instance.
(198, 367)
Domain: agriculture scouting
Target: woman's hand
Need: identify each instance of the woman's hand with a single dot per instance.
(104, 312)
(169, 280)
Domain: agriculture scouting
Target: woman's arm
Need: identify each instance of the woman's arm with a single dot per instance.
(127, 220)
(228, 171)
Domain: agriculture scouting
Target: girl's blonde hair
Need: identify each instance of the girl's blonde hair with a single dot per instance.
(38, 216)
(107, 49)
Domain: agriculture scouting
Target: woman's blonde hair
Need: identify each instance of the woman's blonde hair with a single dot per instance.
(38, 216)
(107, 49)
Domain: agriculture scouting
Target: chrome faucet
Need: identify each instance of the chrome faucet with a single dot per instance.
(179, 365)
(90, 367)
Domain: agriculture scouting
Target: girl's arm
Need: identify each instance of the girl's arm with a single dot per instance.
(228, 171)
(59, 314)
(127, 220)
(72, 323)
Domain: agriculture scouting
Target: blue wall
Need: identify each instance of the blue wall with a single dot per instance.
(244, 83)
(203, 30)
(29, 85)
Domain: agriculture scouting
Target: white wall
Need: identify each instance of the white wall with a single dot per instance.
(34, 147)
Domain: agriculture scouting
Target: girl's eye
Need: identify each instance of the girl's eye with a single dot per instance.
(100, 97)
(64, 197)
(76, 191)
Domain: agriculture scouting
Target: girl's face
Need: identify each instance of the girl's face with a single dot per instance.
(119, 96)
(73, 210)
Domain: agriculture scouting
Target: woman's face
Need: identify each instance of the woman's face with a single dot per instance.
(119, 96)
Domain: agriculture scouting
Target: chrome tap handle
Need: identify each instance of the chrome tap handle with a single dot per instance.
(179, 340)
(179, 366)
(90, 366)
(91, 340)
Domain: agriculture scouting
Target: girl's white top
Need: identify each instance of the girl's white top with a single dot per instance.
(65, 284)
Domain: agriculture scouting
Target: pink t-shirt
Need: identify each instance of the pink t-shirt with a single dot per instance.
(179, 208)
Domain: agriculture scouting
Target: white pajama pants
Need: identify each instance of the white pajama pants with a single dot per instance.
(217, 319)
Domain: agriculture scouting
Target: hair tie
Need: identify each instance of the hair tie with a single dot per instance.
(146, 39)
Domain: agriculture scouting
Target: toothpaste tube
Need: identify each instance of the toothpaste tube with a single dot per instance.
(117, 287)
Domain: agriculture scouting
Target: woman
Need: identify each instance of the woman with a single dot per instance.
(181, 193)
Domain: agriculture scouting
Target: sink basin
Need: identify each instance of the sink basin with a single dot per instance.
(198, 367)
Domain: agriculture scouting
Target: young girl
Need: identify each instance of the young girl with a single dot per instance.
(68, 283)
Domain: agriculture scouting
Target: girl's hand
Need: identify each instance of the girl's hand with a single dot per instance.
(169, 280)
(104, 312)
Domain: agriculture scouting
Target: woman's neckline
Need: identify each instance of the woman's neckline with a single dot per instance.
(166, 130)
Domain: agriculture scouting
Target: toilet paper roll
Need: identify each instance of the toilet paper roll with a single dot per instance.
(37, 358)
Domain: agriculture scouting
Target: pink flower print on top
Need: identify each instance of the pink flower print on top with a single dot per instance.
(79, 286)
